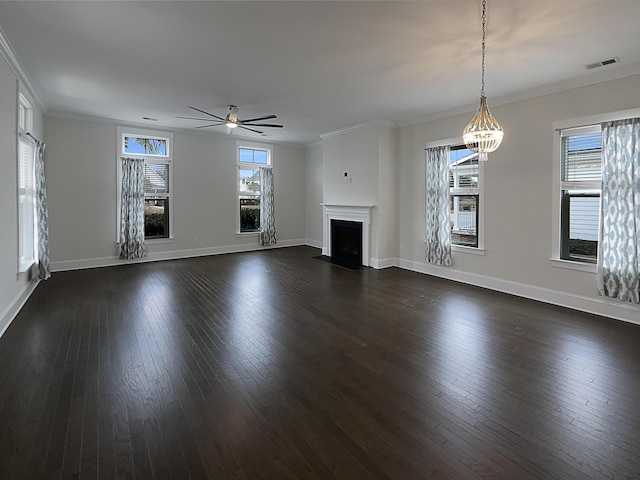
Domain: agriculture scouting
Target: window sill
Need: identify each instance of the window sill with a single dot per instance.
(247, 234)
(24, 267)
(469, 250)
(570, 265)
(154, 241)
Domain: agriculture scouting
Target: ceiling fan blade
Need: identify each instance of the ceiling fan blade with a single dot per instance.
(263, 125)
(268, 117)
(206, 113)
(211, 125)
(252, 129)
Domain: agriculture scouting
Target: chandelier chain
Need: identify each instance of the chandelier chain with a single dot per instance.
(483, 134)
(484, 34)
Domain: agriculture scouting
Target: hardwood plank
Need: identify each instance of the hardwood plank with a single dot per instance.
(271, 364)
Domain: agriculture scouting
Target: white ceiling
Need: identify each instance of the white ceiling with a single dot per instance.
(320, 66)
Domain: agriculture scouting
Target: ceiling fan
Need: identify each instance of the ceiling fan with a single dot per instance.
(232, 121)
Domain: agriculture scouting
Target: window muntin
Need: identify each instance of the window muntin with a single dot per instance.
(464, 196)
(580, 178)
(155, 148)
(250, 159)
(253, 155)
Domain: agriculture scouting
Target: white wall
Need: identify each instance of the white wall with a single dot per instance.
(356, 153)
(517, 197)
(14, 287)
(313, 192)
(387, 249)
(367, 155)
(82, 195)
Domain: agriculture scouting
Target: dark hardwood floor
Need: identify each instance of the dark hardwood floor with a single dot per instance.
(275, 365)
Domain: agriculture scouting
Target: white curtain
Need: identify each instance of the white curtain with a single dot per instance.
(619, 236)
(267, 213)
(42, 213)
(438, 228)
(132, 209)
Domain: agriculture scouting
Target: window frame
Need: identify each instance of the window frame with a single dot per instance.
(478, 192)
(166, 159)
(27, 229)
(240, 165)
(576, 124)
(574, 189)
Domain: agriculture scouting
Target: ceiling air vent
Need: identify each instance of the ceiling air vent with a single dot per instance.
(603, 63)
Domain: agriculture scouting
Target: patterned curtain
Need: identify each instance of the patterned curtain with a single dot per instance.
(132, 209)
(438, 229)
(267, 215)
(619, 238)
(42, 213)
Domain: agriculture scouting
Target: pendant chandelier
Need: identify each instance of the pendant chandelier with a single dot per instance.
(483, 134)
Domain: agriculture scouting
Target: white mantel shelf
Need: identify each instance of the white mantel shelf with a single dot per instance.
(343, 205)
(351, 213)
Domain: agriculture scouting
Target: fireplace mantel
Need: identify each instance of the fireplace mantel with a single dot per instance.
(352, 213)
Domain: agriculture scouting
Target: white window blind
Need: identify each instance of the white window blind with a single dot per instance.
(581, 156)
(26, 204)
(156, 179)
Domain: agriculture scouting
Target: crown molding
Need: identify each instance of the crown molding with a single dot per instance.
(593, 78)
(158, 126)
(18, 69)
(359, 126)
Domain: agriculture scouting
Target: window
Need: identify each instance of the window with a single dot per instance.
(27, 236)
(577, 164)
(156, 200)
(25, 115)
(155, 149)
(464, 196)
(250, 158)
(580, 163)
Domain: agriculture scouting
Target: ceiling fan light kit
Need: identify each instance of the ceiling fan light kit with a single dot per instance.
(232, 121)
(483, 134)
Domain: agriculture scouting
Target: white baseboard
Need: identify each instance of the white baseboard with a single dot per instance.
(313, 243)
(168, 255)
(9, 313)
(595, 305)
(379, 263)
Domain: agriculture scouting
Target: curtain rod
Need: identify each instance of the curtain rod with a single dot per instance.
(28, 134)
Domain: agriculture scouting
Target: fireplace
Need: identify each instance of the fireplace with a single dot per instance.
(346, 242)
(348, 215)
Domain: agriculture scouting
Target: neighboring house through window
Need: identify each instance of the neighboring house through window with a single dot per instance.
(27, 243)
(250, 158)
(156, 148)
